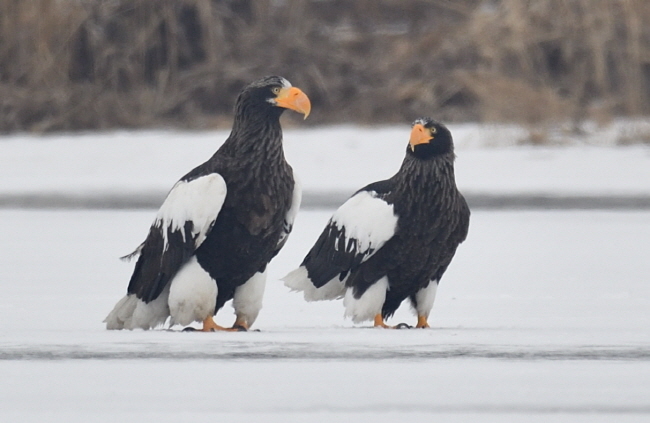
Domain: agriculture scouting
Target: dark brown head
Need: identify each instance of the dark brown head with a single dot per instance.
(271, 95)
(429, 139)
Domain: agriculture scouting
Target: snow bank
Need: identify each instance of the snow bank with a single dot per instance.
(330, 159)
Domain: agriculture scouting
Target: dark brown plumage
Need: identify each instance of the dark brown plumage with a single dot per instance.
(221, 223)
(393, 239)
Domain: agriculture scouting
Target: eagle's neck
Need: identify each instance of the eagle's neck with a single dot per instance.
(256, 138)
(430, 185)
(260, 181)
(252, 157)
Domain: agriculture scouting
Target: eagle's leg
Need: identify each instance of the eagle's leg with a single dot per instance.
(422, 303)
(379, 322)
(422, 322)
(247, 301)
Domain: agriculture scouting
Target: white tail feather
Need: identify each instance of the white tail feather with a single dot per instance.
(132, 313)
(298, 280)
(120, 316)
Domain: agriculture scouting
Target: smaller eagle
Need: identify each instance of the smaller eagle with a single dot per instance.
(392, 239)
(221, 224)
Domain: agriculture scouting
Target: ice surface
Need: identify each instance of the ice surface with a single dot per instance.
(542, 316)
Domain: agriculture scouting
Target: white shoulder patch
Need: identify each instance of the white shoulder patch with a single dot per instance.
(198, 201)
(295, 200)
(293, 211)
(368, 219)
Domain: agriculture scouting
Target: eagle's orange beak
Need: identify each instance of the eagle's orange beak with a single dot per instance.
(419, 135)
(293, 98)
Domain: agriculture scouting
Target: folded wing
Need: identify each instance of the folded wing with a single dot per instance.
(356, 231)
(181, 225)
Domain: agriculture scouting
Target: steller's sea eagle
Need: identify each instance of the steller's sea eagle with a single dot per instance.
(392, 239)
(221, 224)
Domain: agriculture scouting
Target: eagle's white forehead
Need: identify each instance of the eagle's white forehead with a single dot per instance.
(422, 121)
(268, 81)
(285, 82)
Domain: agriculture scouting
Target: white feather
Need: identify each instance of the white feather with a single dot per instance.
(285, 84)
(368, 219)
(133, 313)
(298, 280)
(293, 210)
(121, 314)
(151, 314)
(425, 298)
(193, 294)
(370, 303)
(247, 300)
(198, 201)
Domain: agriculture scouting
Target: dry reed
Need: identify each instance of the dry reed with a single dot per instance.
(91, 64)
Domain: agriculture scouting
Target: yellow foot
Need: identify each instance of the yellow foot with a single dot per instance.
(422, 322)
(209, 325)
(240, 325)
(379, 322)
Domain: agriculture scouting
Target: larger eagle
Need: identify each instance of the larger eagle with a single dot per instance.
(221, 223)
(393, 239)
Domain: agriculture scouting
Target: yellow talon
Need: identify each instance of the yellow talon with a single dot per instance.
(240, 323)
(209, 325)
(422, 322)
(379, 322)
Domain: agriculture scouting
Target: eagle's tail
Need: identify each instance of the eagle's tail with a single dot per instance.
(133, 313)
(298, 280)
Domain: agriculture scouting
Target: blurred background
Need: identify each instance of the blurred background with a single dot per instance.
(70, 65)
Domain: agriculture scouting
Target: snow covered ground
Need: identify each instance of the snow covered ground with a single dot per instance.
(543, 315)
(331, 159)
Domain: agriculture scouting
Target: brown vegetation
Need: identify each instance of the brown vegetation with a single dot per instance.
(92, 64)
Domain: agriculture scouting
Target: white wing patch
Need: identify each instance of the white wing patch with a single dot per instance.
(198, 201)
(368, 219)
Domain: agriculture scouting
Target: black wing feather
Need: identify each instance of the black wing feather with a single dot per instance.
(335, 253)
(157, 265)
